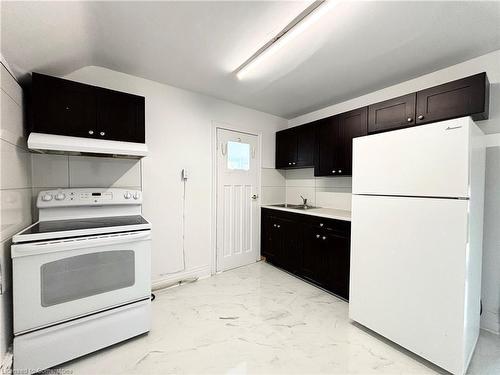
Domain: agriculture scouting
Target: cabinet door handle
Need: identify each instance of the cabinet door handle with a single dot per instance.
(91, 132)
(340, 170)
(409, 119)
(277, 226)
(318, 236)
(321, 224)
(421, 117)
(289, 163)
(333, 171)
(323, 238)
(102, 133)
(68, 108)
(274, 225)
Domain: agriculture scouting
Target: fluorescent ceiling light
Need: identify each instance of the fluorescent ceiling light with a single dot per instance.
(300, 23)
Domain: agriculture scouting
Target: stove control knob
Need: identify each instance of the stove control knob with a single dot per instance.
(137, 195)
(127, 195)
(60, 196)
(46, 197)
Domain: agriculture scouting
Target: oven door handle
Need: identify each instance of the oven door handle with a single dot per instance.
(27, 249)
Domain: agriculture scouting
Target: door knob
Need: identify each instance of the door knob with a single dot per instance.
(421, 117)
(255, 196)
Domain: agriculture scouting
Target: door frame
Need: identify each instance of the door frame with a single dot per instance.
(213, 220)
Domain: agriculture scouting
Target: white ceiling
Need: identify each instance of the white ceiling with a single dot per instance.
(356, 48)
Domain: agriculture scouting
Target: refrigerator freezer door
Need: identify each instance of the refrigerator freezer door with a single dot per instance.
(408, 274)
(430, 160)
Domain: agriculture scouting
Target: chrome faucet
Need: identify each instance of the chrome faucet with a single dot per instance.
(304, 201)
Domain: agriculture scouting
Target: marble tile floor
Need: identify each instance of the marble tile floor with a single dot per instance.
(260, 320)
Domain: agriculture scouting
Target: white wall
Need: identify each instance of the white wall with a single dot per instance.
(489, 63)
(179, 127)
(15, 192)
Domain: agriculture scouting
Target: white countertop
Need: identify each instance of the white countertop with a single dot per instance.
(330, 213)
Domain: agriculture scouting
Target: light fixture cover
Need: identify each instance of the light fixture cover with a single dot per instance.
(304, 23)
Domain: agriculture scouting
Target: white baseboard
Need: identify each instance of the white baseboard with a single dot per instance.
(490, 321)
(199, 272)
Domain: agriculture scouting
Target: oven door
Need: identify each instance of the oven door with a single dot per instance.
(56, 281)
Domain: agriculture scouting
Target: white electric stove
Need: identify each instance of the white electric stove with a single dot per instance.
(81, 276)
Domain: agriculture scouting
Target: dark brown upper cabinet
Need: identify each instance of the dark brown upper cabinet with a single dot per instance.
(392, 114)
(120, 116)
(464, 97)
(334, 145)
(64, 107)
(325, 146)
(295, 147)
(333, 135)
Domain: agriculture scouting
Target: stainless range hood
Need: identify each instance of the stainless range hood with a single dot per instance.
(61, 144)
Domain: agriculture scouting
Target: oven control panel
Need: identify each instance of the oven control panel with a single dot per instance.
(88, 197)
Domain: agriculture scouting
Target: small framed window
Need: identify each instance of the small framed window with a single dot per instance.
(238, 156)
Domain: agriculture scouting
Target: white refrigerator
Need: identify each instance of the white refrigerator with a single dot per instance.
(416, 238)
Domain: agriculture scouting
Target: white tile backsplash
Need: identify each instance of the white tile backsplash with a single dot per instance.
(15, 211)
(11, 117)
(333, 199)
(272, 186)
(11, 87)
(15, 165)
(272, 177)
(50, 171)
(300, 177)
(15, 192)
(272, 195)
(103, 172)
(334, 182)
(293, 194)
(328, 192)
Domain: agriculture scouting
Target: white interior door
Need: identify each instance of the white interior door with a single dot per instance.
(238, 162)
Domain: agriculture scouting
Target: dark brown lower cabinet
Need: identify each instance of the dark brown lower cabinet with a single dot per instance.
(315, 249)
